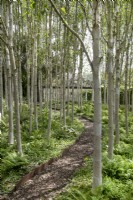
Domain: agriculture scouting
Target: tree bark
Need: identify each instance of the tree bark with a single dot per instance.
(126, 89)
(50, 74)
(110, 81)
(15, 80)
(1, 83)
(97, 156)
(10, 98)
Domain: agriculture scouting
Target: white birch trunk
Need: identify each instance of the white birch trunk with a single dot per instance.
(20, 80)
(126, 89)
(28, 79)
(50, 74)
(132, 98)
(31, 91)
(40, 90)
(110, 81)
(35, 82)
(80, 79)
(117, 97)
(97, 156)
(15, 80)
(63, 79)
(68, 94)
(73, 78)
(10, 98)
(1, 84)
(6, 86)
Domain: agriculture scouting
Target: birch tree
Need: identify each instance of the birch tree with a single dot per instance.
(15, 80)
(121, 37)
(50, 73)
(1, 83)
(95, 64)
(1, 68)
(110, 69)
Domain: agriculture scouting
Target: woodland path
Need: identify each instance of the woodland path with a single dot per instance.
(57, 174)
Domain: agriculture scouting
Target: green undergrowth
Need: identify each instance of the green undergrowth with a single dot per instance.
(36, 147)
(117, 173)
(87, 110)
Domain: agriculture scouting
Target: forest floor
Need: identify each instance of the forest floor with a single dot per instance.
(58, 173)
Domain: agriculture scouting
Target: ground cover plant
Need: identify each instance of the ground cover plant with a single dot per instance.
(117, 173)
(37, 149)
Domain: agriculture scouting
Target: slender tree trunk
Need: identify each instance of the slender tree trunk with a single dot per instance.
(28, 53)
(1, 83)
(132, 98)
(92, 98)
(6, 86)
(68, 93)
(35, 82)
(126, 89)
(110, 82)
(117, 97)
(15, 80)
(20, 80)
(97, 156)
(73, 93)
(50, 74)
(28, 79)
(64, 79)
(80, 79)
(10, 98)
(1, 68)
(40, 89)
(110, 109)
(31, 91)
(105, 86)
(75, 47)
(97, 160)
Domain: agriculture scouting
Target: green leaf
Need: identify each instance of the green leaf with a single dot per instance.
(63, 10)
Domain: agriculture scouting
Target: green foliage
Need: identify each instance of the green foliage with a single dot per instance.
(70, 131)
(117, 173)
(115, 189)
(63, 10)
(118, 168)
(87, 110)
(112, 188)
(35, 146)
(124, 149)
(104, 120)
(89, 95)
(3, 125)
(12, 161)
(127, 140)
(12, 167)
(65, 132)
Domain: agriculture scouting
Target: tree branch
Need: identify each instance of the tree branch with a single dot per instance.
(90, 4)
(104, 37)
(73, 32)
(84, 10)
(4, 41)
(5, 30)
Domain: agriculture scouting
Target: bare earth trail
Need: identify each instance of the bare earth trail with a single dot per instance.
(56, 175)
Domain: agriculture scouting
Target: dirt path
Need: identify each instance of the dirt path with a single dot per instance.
(56, 175)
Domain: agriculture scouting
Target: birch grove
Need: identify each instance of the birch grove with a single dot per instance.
(45, 45)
